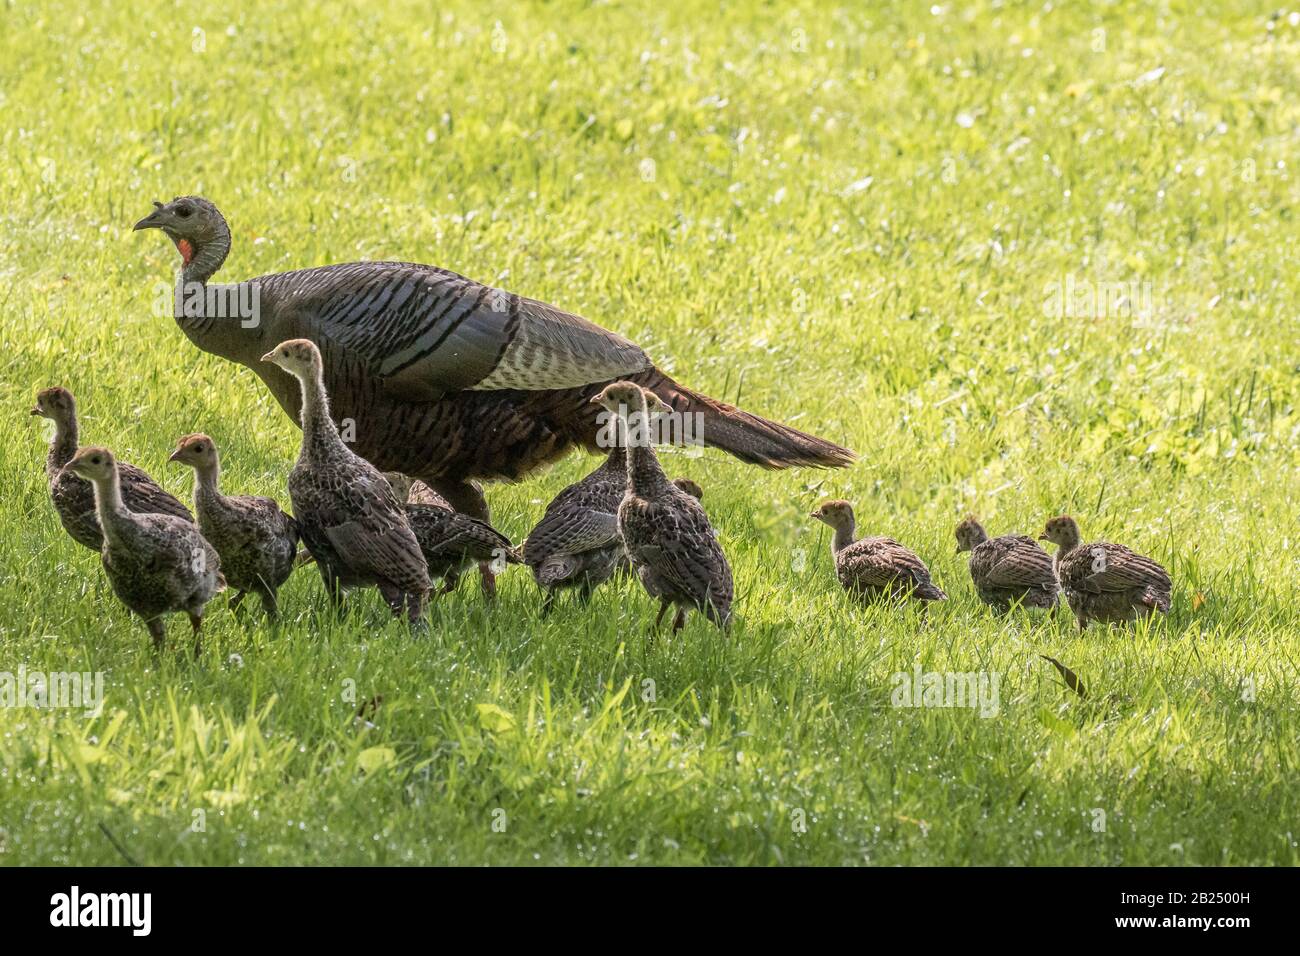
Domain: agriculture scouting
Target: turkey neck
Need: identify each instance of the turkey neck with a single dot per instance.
(843, 536)
(206, 484)
(645, 476)
(616, 462)
(1068, 545)
(63, 446)
(109, 508)
(320, 436)
(208, 255)
(192, 282)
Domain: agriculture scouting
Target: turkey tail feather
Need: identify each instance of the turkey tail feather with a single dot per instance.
(749, 437)
(928, 592)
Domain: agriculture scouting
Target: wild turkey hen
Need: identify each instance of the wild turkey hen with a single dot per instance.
(446, 379)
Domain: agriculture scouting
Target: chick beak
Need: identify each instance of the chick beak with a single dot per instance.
(1043, 536)
(175, 456)
(36, 410)
(595, 401)
(269, 357)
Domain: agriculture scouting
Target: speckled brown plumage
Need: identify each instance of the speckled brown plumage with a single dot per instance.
(1106, 582)
(257, 541)
(452, 542)
(668, 538)
(1008, 570)
(446, 379)
(156, 564)
(692, 488)
(874, 567)
(345, 508)
(576, 544)
(73, 497)
(412, 491)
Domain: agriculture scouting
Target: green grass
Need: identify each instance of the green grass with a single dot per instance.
(1007, 146)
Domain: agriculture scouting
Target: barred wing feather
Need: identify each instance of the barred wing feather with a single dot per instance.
(425, 331)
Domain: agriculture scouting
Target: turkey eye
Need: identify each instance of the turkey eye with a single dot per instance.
(198, 448)
(94, 461)
(184, 211)
(285, 353)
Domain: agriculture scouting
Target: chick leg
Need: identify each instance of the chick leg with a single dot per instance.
(663, 608)
(269, 603)
(158, 631)
(196, 624)
(467, 498)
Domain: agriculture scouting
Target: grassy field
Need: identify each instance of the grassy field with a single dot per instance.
(856, 220)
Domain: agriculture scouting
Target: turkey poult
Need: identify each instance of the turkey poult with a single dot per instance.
(74, 499)
(346, 511)
(871, 567)
(157, 564)
(669, 541)
(1008, 570)
(577, 544)
(257, 541)
(447, 541)
(447, 379)
(1106, 582)
(452, 543)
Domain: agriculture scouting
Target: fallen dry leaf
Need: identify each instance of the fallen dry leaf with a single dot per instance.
(1071, 679)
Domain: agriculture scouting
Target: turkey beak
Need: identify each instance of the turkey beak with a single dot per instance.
(36, 409)
(151, 221)
(269, 357)
(175, 456)
(1043, 536)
